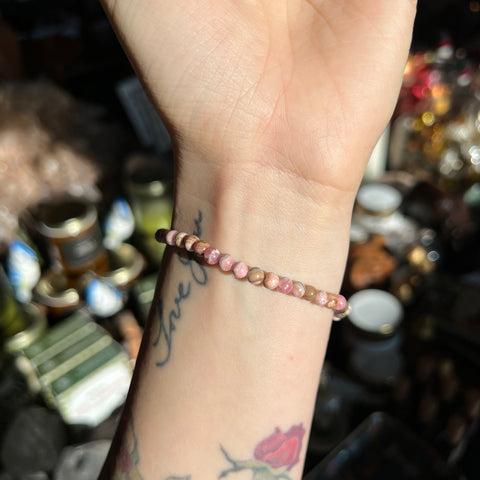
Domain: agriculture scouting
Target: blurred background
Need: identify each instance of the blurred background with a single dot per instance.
(86, 180)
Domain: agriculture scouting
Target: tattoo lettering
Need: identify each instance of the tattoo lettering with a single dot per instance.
(273, 457)
(167, 326)
(168, 322)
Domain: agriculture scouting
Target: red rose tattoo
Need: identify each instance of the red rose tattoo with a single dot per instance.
(273, 457)
(281, 449)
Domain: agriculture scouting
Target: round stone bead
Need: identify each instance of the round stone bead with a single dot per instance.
(226, 262)
(200, 247)
(285, 285)
(298, 289)
(310, 293)
(271, 281)
(211, 255)
(160, 235)
(338, 315)
(190, 241)
(170, 237)
(332, 301)
(321, 298)
(256, 276)
(179, 239)
(341, 303)
(240, 270)
(332, 304)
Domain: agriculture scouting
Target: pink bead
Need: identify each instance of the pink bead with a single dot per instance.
(211, 255)
(341, 303)
(271, 281)
(285, 285)
(298, 289)
(240, 270)
(321, 298)
(226, 262)
(170, 237)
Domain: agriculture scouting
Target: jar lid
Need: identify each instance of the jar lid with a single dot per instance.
(36, 324)
(379, 199)
(126, 264)
(52, 290)
(375, 312)
(65, 217)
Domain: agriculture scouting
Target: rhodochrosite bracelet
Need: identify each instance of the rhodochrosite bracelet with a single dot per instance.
(254, 275)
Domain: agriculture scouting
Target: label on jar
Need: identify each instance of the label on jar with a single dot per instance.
(82, 249)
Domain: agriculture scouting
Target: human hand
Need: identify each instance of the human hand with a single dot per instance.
(303, 87)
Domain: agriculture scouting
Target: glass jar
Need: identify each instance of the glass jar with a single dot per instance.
(73, 235)
(34, 327)
(378, 211)
(106, 293)
(150, 192)
(126, 264)
(374, 337)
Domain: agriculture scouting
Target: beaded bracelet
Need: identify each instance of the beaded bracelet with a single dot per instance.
(240, 270)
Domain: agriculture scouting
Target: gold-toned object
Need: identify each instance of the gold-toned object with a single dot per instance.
(35, 326)
(126, 264)
(54, 292)
(74, 237)
(418, 258)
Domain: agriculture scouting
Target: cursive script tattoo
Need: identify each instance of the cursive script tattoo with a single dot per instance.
(168, 321)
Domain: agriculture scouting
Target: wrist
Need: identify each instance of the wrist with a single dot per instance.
(268, 218)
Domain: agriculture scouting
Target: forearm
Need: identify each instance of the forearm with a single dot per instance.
(225, 362)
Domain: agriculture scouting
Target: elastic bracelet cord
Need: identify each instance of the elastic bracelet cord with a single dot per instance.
(240, 270)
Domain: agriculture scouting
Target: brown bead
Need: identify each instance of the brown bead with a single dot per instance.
(190, 241)
(180, 237)
(200, 247)
(332, 301)
(310, 293)
(271, 281)
(256, 276)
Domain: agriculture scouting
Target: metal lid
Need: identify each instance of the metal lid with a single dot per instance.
(375, 312)
(379, 199)
(36, 325)
(65, 217)
(52, 290)
(126, 264)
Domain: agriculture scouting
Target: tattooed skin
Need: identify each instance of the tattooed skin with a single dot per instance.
(170, 315)
(273, 457)
(128, 459)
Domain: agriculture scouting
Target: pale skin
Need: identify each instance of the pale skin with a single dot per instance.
(274, 108)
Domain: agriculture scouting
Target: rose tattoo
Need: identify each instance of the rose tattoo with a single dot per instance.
(273, 457)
